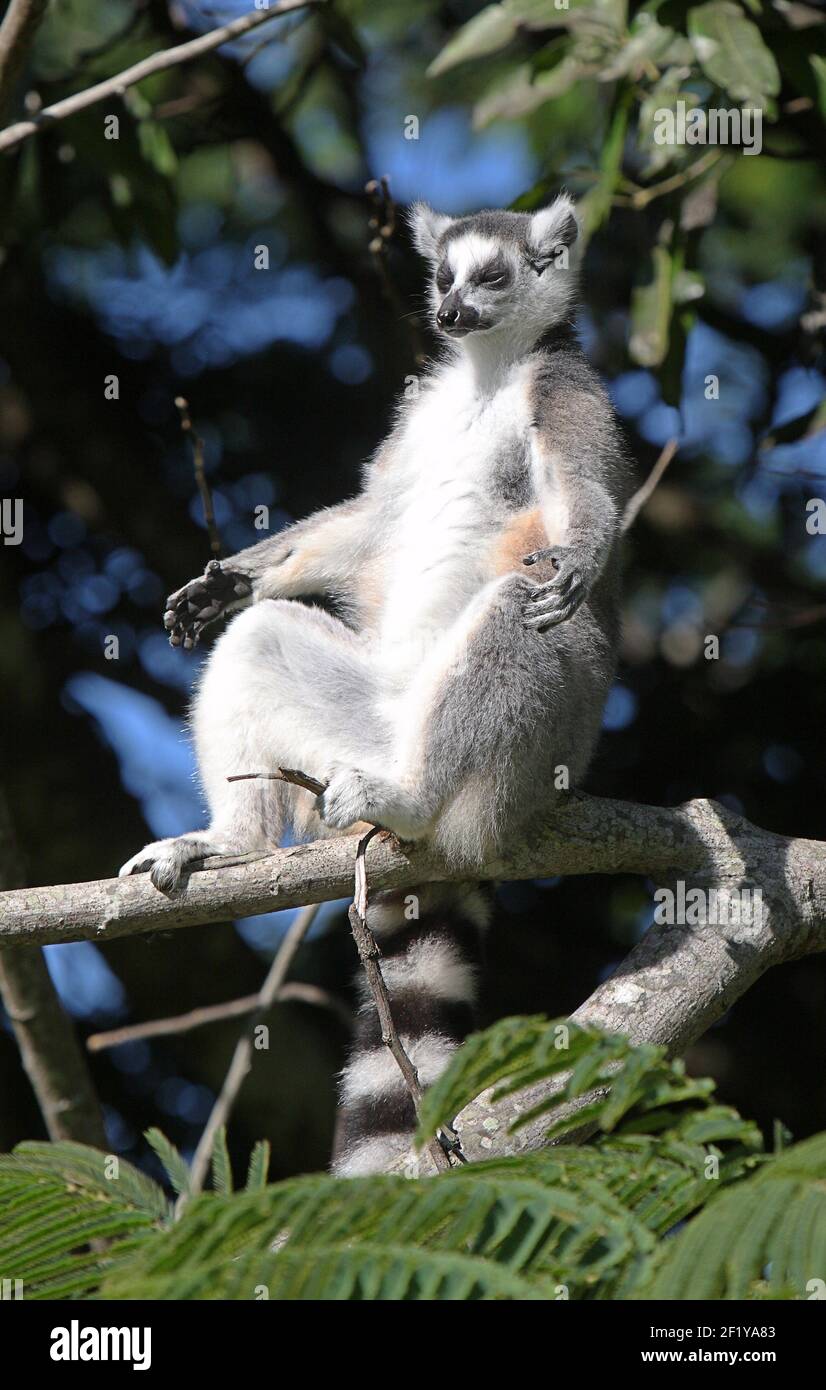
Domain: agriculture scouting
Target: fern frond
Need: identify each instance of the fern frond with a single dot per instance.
(259, 1166)
(174, 1164)
(56, 1200)
(604, 1071)
(221, 1166)
(764, 1238)
(508, 1219)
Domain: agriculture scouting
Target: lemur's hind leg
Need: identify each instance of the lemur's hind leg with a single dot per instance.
(488, 714)
(286, 686)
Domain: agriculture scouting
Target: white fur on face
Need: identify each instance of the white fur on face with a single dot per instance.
(468, 253)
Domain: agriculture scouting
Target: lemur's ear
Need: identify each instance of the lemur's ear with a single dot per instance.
(428, 228)
(552, 228)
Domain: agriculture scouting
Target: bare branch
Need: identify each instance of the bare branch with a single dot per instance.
(369, 957)
(182, 407)
(157, 62)
(643, 493)
(242, 1056)
(20, 24)
(49, 1049)
(675, 983)
(297, 992)
(587, 835)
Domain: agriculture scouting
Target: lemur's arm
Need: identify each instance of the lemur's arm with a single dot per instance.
(582, 474)
(315, 556)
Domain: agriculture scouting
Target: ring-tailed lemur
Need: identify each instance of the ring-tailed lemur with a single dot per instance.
(478, 573)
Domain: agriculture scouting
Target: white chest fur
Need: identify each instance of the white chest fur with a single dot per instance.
(445, 511)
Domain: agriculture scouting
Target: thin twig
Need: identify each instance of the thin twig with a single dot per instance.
(156, 62)
(297, 992)
(369, 957)
(641, 197)
(284, 774)
(786, 615)
(643, 493)
(242, 1056)
(187, 427)
(382, 224)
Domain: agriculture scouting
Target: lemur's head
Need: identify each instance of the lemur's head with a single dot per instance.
(499, 273)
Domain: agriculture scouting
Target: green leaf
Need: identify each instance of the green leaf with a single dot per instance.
(138, 168)
(651, 306)
(818, 65)
(595, 207)
(525, 89)
(156, 147)
(731, 52)
(647, 42)
(86, 1168)
(221, 1166)
(69, 1213)
(599, 1077)
(509, 1221)
(174, 1164)
(775, 1222)
(258, 1166)
(491, 29)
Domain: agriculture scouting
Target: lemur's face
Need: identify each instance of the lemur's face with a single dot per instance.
(499, 272)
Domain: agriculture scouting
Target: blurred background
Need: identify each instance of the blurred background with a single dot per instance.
(135, 259)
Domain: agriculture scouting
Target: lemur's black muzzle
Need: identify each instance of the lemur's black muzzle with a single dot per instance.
(456, 318)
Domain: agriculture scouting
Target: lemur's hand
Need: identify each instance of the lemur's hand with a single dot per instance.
(557, 600)
(201, 601)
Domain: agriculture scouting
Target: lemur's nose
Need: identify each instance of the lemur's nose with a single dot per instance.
(453, 313)
(449, 309)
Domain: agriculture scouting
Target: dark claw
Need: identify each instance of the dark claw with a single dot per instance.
(537, 555)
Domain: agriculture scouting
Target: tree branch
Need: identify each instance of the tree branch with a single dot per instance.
(20, 24)
(672, 987)
(297, 992)
(587, 835)
(157, 62)
(643, 493)
(49, 1049)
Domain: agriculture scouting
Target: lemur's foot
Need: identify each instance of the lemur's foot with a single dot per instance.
(166, 859)
(201, 601)
(555, 602)
(352, 795)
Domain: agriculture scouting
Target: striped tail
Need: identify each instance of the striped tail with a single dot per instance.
(431, 968)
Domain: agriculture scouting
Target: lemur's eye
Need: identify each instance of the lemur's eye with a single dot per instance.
(494, 276)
